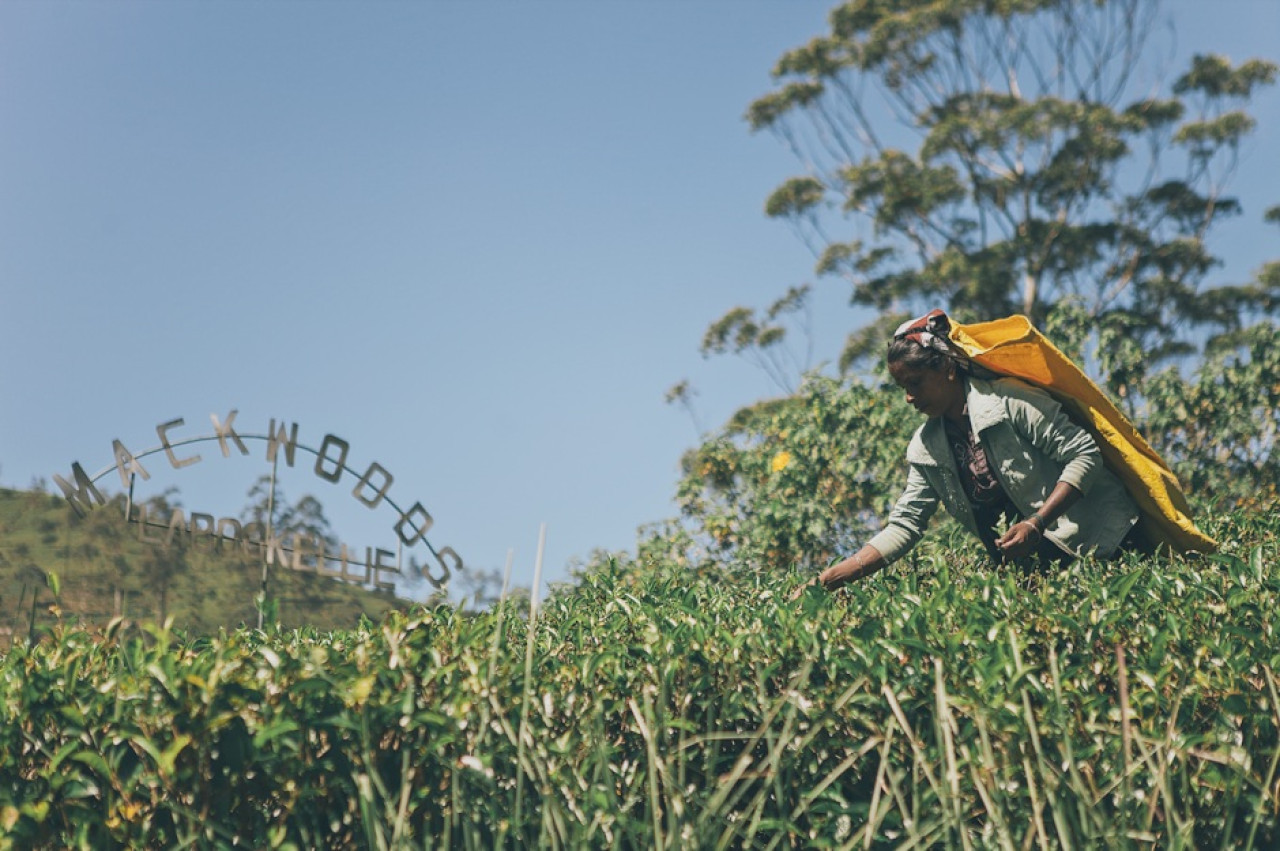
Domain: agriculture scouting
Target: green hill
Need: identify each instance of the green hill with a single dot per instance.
(104, 571)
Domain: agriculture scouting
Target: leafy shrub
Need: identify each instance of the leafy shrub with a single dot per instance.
(1128, 703)
(1219, 430)
(797, 480)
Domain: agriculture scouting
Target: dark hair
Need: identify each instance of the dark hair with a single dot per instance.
(910, 353)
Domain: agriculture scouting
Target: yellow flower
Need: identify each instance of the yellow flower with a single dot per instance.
(780, 461)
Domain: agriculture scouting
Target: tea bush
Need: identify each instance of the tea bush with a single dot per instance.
(939, 704)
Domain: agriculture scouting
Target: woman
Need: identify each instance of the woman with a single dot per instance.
(1001, 457)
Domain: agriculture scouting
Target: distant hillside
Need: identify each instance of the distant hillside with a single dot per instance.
(104, 571)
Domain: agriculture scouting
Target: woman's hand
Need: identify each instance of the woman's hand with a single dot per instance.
(863, 563)
(831, 579)
(1023, 537)
(1021, 540)
(803, 587)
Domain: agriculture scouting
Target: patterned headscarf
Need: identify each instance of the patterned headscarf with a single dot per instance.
(930, 331)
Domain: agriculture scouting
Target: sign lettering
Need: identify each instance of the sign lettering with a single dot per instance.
(302, 551)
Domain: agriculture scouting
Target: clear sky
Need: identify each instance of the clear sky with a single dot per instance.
(477, 241)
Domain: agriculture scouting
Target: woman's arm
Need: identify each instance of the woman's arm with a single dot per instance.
(861, 564)
(1039, 418)
(1024, 536)
(904, 527)
(864, 562)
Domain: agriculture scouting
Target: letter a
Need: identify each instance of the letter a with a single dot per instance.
(127, 463)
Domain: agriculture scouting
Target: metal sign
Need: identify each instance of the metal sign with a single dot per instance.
(299, 551)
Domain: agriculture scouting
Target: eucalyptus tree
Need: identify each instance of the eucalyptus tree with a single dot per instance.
(1000, 156)
(269, 508)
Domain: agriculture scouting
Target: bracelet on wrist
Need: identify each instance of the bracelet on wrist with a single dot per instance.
(1037, 521)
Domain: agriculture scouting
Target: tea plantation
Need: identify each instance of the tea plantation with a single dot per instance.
(1132, 704)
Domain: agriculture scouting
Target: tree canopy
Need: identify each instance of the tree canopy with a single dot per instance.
(1002, 156)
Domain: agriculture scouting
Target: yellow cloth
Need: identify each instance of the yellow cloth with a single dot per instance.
(1012, 346)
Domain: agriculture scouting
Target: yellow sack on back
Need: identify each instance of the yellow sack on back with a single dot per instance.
(1013, 347)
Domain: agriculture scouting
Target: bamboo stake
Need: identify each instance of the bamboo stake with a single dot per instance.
(1126, 733)
(528, 675)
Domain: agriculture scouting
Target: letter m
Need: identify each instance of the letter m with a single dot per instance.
(82, 493)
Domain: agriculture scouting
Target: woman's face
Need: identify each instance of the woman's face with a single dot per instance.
(932, 392)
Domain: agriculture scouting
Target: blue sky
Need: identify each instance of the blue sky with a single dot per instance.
(477, 241)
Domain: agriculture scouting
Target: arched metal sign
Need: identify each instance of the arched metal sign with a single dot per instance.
(310, 553)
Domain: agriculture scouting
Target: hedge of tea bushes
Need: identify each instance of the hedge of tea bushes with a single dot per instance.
(940, 704)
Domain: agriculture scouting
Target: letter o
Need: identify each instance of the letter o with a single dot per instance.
(375, 469)
(422, 524)
(323, 455)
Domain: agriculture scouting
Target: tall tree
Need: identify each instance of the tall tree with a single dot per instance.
(999, 156)
(305, 517)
